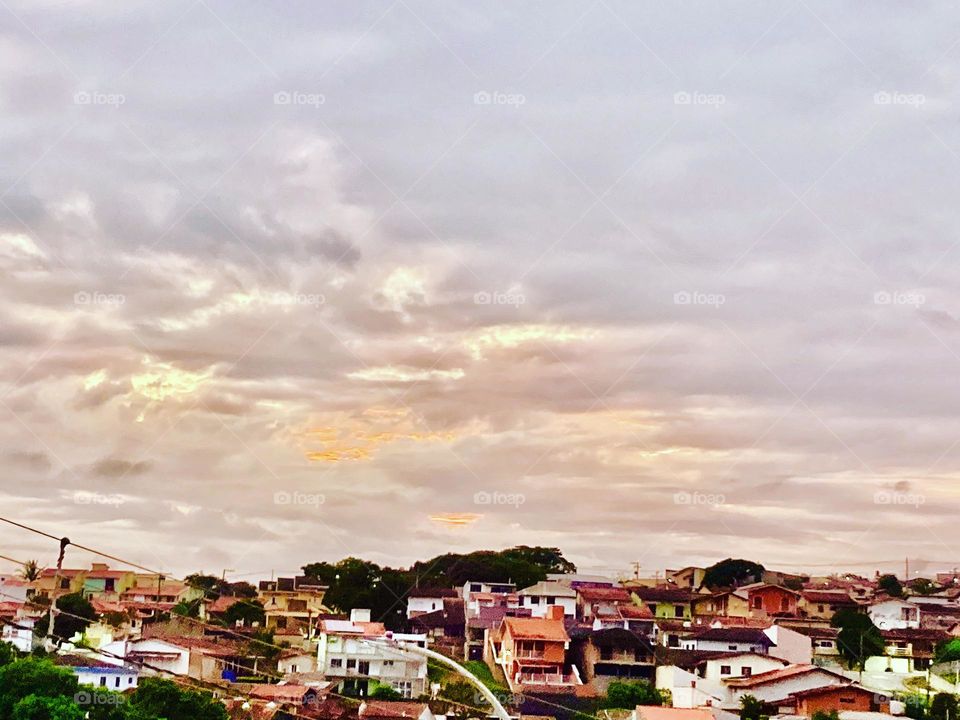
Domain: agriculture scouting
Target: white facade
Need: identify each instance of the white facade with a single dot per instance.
(721, 646)
(304, 662)
(895, 614)
(20, 637)
(117, 679)
(776, 691)
(347, 652)
(420, 605)
(538, 598)
(790, 645)
(690, 690)
(158, 653)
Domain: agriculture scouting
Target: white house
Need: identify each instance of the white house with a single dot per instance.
(158, 653)
(356, 654)
(790, 645)
(100, 674)
(777, 685)
(297, 661)
(894, 614)
(706, 686)
(425, 600)
(20, 634)
(537, 598)
(728, 639)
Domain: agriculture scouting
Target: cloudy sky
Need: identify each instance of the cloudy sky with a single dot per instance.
(649, 281)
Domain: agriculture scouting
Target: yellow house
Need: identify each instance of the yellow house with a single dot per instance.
(727, 604)
(664, 602)
(292, 603)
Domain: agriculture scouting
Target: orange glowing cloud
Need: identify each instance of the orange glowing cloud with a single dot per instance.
(455, 519)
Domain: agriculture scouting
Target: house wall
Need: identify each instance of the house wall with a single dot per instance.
(774, 691)
(772, 600)
(840, 700)
(889, 615)
(420, 605)
(757, 664)
(179, 665)
(539, 609)
(721, 646)
(790, 645)
(689, 690)
(111, 680)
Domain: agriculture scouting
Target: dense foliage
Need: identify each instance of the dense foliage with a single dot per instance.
(34, 688)
(628, 694)
(858, 638)
(355, 583)
(750, 708)
(944, 707)
(890, 585)
(74, 614)
(732, 573)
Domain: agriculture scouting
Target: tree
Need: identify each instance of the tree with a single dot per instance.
(750, 708)
(384, 692)
(74, 614)
(464, 698)
(249, 611)
(944, 707)
(33, 677)
(8, 653)
(858, 638)
(158, 698)
(948, 651)
(187, 608)
(30, 571)
(890, 585)
(824, 715)
(628, 694)
(37, 707)
(923, 586)
(732, 573)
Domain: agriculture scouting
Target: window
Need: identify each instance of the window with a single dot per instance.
(758, 602)
(819, 608)
(103, 682)
(336, 662)
(678, 610)
(363, 667)
(725, 670)
(65, 583)
(534, 600)
(294, 668)
(784, 604)
(746, 671)
(475, 587)
(847, 700)
(116, 681)
(351, 664)
(388, 663)
(731, 647)
(652, 609)
(551, 601)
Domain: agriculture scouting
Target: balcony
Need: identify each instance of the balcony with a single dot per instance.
(551, 679)
(895, 651)
(530, 654)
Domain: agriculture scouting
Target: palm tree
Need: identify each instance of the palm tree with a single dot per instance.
(31, 571)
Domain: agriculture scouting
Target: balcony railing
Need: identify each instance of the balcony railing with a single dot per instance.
(544, 679)
(899, 651)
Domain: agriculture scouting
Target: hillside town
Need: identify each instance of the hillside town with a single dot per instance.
(696, 643)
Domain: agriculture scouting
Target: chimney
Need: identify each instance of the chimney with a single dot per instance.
(555, 612)
(358, 615)
(99, 567)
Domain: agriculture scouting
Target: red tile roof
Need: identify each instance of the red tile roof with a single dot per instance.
(536, 629)
(773, 676)
(386, 709)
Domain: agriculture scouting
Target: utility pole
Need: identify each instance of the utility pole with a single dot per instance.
(636, 569)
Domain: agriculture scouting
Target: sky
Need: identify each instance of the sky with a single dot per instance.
(650, 282)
